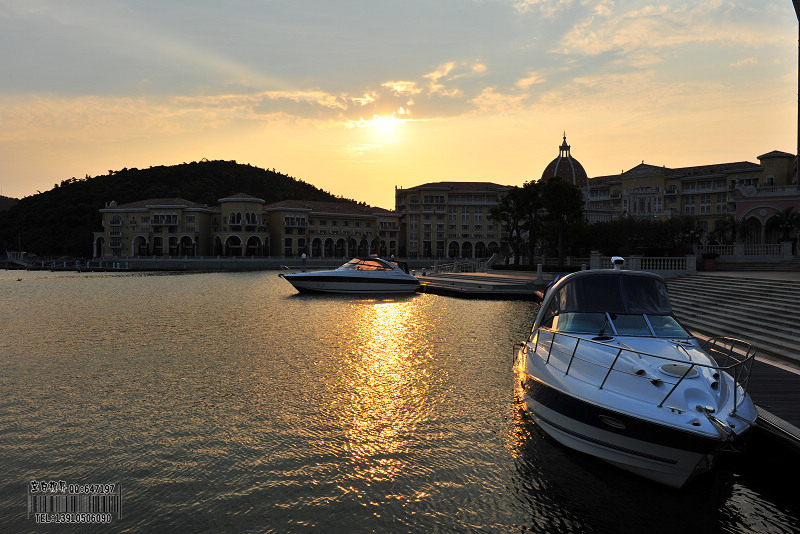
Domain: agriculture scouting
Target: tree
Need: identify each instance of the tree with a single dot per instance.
(533, 203)
(563, 203)
(788, 220)
(510, 213)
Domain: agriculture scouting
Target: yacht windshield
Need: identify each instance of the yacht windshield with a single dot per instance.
(614, 294)
(366, 264)
(611, 324)
(613, 304)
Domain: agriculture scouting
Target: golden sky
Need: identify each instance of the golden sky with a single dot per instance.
(357, 97)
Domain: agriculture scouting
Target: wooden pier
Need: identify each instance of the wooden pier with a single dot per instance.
(775, 389)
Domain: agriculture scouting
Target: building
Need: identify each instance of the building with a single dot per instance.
(180, 228)
(761, 205)
(752, 193)
(240, 229)
(331, 229)
(243, 226)
(755, 194)
(566, 167)
(448, 220)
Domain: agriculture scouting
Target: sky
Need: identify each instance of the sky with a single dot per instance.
(359, 97)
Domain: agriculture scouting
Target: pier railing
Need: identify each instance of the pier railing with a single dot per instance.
(742, 253)
(473, 266)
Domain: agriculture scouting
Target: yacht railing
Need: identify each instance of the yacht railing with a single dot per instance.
(738, 357)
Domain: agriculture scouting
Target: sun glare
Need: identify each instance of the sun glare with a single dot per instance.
(382, 124)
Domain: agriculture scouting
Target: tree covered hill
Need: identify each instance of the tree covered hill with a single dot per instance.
(6, 202)
(61, 221)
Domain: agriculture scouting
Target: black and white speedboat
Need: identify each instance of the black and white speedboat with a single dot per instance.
(609, 371)
(369, 275)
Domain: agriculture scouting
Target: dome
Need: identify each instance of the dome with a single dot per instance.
(566, 167)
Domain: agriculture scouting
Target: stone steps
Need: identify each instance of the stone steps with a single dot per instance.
(761, 311)
(786, 265)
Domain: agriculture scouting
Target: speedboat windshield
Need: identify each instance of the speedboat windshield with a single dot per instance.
(611, 324)
(610, 304)
(614, 294)
(366, 264)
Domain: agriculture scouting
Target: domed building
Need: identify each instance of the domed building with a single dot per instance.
(566, 167)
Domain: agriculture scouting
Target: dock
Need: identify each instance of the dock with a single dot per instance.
(760, 307)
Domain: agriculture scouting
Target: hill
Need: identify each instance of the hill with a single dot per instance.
(7, 203)
(60, 222)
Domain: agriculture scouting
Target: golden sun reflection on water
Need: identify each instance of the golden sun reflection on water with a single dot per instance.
(385, 383)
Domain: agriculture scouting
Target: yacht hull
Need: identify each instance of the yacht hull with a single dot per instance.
(657, 452)
(311, 283)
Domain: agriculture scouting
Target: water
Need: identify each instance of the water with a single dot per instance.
(227, 402)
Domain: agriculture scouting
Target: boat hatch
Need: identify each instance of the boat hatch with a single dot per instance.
(679, 370)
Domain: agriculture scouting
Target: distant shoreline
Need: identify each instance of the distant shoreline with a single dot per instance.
(189, 264)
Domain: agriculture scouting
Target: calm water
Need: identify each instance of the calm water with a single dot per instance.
(227, 402)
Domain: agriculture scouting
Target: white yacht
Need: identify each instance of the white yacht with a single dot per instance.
(369, 275)
(609, 371)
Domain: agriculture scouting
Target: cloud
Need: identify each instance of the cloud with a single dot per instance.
(662, 26)
(441, 72)
(403, 88)
(442, 78)
(601, 7)
(744, 61)
(547, 8)
(532, 79)
(364, 100)
(490, 100)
